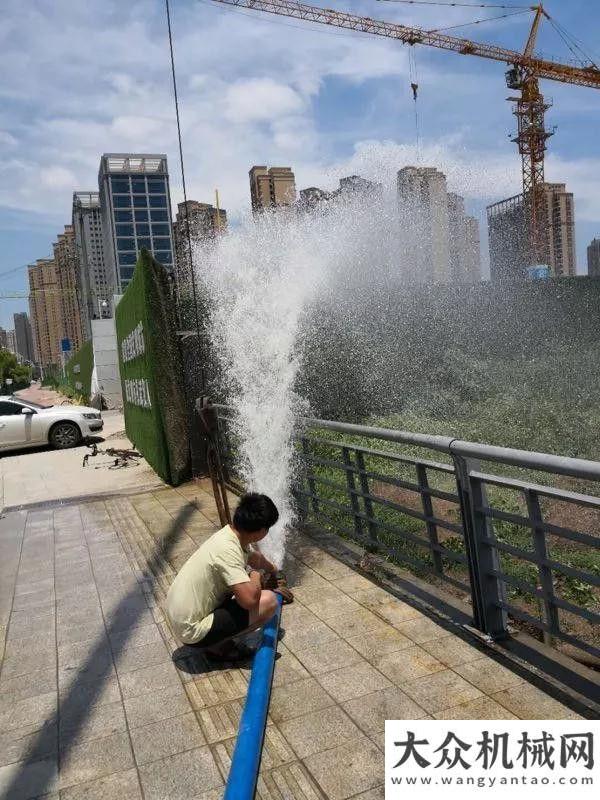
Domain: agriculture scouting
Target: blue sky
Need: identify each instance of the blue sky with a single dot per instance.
(94, 76)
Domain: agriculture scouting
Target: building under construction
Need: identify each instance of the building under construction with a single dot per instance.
(509, 235)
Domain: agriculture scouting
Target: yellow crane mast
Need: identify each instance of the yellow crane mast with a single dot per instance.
(526, 70)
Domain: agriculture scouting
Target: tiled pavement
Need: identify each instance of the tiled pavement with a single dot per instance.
(92, 704)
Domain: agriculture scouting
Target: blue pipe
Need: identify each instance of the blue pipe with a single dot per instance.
(245, 763)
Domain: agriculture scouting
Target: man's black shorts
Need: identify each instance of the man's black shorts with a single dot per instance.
(229, 619)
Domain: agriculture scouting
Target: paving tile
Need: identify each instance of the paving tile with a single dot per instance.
(117, 786)
(372, 794)
(350, 584)
(289, 782)
(94, 631)
(488, 675)
(526, 701)
(287, 668)
(421, 630)
(312, 733)
(41, 642)
(441, 690)
(371, 711)
(16, 745)
(405, 665)
(90, 760)
(480, 708)
(135, 637)
(30, 711)
(220, 722)
(94, 722)
(276, 751)
(452, 651)
(180, 777)
(84, 662)
(348, 769)
(298, 698)
(328, 656)
(374, 644)
(147, 655)
(149, 679)
(81, 695)
(34, 683)
(303, 636)
(23, 780)
(353, 681)
(355, 623)
(156, 706)
(327, 607)
(166, 738)
(217, 687)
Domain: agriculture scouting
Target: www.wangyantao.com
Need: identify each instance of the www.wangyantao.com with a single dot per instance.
(490, 782)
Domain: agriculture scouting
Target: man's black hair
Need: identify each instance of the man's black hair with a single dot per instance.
(254, 512)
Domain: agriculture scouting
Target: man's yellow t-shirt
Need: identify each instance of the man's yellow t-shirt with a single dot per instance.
(203, 583)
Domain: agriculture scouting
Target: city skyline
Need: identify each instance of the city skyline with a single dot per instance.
(327, 104)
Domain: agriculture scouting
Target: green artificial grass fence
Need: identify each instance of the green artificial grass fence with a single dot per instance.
(79, 370)
(156, 419)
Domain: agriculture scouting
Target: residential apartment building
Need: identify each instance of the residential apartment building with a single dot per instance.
(510, 252)
(95, 288)
(3, 339)
(46, 313)
(23, 336)
(135, 207)
(11, 343)
(423, 206)
(206, 222)
(463, 243)
(272, 187)
(66, 265)
(352, 185)
(593, 258)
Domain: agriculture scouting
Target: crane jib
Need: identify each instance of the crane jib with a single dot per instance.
(542, 68)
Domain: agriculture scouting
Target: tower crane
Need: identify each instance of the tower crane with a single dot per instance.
(523, 76)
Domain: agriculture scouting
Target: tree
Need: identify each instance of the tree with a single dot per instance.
(20, 374)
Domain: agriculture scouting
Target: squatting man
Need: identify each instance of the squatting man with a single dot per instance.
(219, 593)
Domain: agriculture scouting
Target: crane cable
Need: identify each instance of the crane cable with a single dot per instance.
(414, 85)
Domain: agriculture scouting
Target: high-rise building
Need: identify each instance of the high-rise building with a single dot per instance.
(272, 187)
(66, 265)
(46, 312)
(423, 201)
(352, 185)
(205, 223)
(593, 258)
(24, 341)
(509, 242)
(135, 207)
(463, 244)
(94, 286)
(11, 343)
(3, 339)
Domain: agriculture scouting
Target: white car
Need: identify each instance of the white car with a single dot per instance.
(26, 424)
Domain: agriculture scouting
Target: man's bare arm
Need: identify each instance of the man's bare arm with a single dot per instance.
(257, 561)
(247, 594)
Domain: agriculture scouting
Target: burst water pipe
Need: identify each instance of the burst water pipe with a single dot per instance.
(245, 763)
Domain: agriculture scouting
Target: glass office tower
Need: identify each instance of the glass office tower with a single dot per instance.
(136, 212)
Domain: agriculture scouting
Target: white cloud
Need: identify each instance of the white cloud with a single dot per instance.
(260, 99)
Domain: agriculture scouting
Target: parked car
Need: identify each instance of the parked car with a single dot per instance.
(26, 424)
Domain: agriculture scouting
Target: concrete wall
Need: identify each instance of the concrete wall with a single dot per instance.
(106, 361)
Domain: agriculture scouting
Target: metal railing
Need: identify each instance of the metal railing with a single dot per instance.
(517, 558)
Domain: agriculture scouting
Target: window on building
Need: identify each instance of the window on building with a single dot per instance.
(120, 185)
(141, 215)
(140, 201)
(157, 200)
(164, 256)
(159, 215)
(126, 273)
(124, 230)
(127, 258)
(138, 186)
(122, 201)
(142, 230)
(156, 185)
(162, 243)
(126, 243)
(143, 242)
(160, 230)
